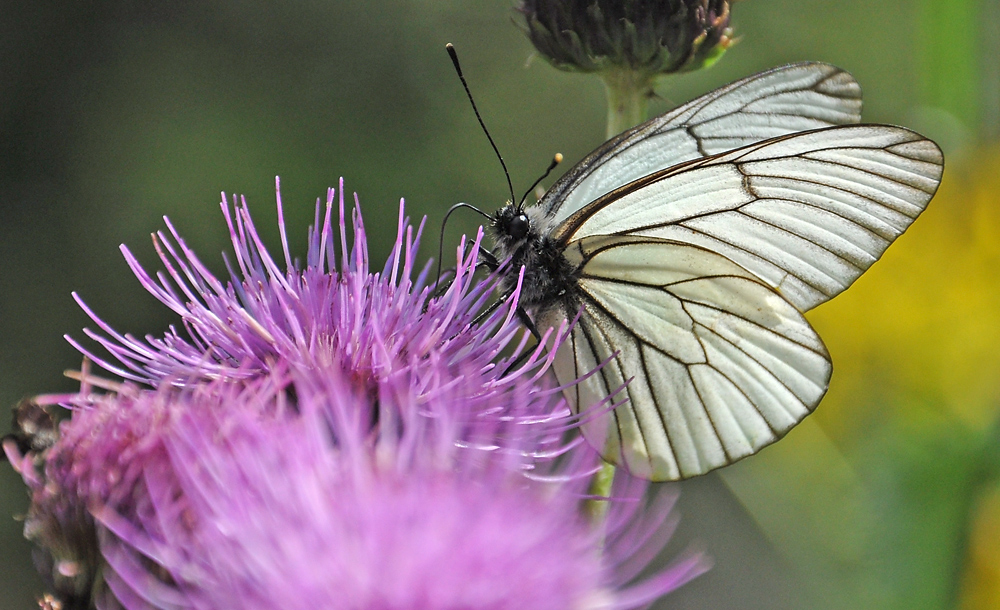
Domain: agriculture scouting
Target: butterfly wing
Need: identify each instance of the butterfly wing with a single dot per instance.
(717, 364)
(806, 214)
(692, 280)
(777, 102)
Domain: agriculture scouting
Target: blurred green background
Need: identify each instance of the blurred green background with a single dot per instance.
(115, 113)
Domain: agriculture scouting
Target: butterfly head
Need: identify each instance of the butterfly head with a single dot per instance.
(512, 227)
(518, 230)
(512, 222)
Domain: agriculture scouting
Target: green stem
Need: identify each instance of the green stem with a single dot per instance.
(600, 486)
(628, 95)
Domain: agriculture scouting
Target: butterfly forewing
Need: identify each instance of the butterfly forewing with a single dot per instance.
(718, 365)
(785, 100)
(807, 213)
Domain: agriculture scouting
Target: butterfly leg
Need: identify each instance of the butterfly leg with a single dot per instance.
(487, 260)
(439, 289)
(490, 262)
(486, 313)
(525, 354)
(522, 317)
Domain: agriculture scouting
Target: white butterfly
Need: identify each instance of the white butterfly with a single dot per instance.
(691, 245)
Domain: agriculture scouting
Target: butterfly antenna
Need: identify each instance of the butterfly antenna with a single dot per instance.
(445, 222)
(458, 68)
(556, 160)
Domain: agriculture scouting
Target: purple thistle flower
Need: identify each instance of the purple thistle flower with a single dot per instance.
(222, 495)
(371, 323)
(329, 437)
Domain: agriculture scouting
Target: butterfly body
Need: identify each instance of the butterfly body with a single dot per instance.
(524, 237)
(687, 249)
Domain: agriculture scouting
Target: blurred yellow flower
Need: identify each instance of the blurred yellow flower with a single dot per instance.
(924, 323)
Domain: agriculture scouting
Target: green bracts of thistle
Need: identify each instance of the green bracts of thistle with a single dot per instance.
(646, 37)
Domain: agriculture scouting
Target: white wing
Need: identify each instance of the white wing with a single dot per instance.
(774, 103)
(807, 214)
(718, 365)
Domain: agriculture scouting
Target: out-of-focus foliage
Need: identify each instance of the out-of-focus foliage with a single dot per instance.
(981, 578)
(949, 37)
(113, 113)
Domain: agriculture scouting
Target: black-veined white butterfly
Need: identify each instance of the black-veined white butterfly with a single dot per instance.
(691, 245)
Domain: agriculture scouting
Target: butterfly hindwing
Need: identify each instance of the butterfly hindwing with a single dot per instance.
(717, 364)
(774, 103)
(807, 214)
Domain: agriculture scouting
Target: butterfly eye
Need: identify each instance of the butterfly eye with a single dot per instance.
(518, 226)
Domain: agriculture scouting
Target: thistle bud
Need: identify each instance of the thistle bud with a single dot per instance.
(649, 37)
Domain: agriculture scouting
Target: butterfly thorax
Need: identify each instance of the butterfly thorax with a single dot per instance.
(522, 235)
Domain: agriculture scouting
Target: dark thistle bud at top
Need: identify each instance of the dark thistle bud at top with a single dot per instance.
(648, 37)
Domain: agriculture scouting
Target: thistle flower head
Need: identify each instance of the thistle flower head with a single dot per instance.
(279, 492)
(329, 437)
(312, 511)
(645, 36)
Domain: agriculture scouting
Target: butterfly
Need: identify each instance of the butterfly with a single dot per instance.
(687, 249)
